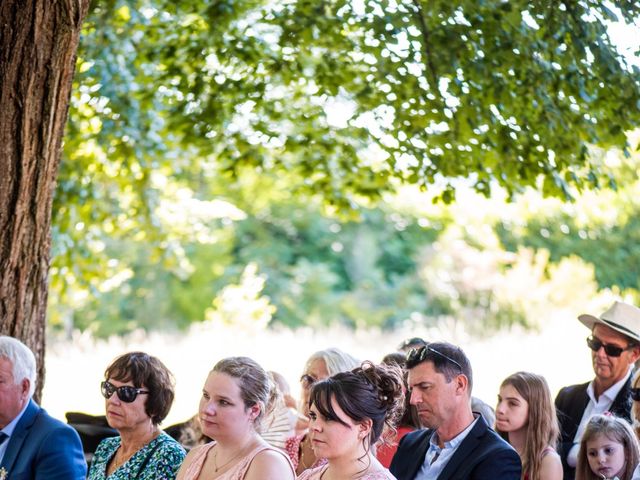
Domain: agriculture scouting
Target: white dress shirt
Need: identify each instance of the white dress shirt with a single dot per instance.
(599, 406)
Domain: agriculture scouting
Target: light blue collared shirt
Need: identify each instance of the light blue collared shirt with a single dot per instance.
(8, 430)
(431, 469)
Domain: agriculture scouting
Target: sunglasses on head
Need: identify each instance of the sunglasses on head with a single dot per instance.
(611, 350)
(416, 355)
(126, 393)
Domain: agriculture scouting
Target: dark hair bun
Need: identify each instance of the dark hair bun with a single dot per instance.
(387, 380)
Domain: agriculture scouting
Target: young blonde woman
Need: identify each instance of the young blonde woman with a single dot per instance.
(526, 418)
(235, 397)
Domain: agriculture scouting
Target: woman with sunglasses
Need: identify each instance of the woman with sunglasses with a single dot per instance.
(322, 364)
(138, 389)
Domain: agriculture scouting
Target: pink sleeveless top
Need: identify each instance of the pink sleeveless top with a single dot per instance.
(316, 474)
(238, 471)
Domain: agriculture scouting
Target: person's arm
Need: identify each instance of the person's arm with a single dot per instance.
(188, 460)
(551, 467)
(270, 465)
(60, 456)
(503, 464)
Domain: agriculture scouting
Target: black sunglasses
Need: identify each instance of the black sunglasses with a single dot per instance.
(307, 380)
(416, 355)
(126, 393)
(611, 350)
(635, 394)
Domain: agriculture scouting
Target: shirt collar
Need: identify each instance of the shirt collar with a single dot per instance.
(612, 392)
(455, 441)
(11, 426)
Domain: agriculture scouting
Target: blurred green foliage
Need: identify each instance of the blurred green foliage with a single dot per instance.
(207, 136)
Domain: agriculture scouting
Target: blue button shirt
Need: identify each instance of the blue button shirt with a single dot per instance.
(437, 458)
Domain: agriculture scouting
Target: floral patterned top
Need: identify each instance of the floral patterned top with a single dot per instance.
(292, 447)
(159, 459)
(316, 474)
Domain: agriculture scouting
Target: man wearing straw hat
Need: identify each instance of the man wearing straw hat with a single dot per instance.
(615, 346)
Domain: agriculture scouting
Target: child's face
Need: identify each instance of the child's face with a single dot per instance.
(606, 456)
(512, 411)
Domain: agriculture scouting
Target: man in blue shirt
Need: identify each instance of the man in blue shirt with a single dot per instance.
(456, 443)
(33, 445)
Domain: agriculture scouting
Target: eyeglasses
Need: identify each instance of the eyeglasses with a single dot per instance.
(307, 380)
(611, 350)
(635, 394)
(126, 393)
(416, 355)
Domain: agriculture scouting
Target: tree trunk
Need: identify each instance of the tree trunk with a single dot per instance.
(38, 43)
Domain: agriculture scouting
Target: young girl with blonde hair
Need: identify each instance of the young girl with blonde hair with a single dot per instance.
(526, 418)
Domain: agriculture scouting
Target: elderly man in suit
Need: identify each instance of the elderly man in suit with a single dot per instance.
(456, 444)
(33, 445)
(615, 346)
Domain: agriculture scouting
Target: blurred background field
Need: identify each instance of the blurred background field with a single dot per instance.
(269, 196)
(75, 368)
(251, 270)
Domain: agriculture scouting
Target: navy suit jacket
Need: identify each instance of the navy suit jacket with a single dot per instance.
(43, 448)
(570, 404)
(482, 455)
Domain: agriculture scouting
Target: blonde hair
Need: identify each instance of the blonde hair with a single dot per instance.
(256, 386)
(542, 424)
(615, 429)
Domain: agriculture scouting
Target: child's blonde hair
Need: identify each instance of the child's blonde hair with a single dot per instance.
(616, 429)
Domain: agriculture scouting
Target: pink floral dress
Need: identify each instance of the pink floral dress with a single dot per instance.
(292, 447)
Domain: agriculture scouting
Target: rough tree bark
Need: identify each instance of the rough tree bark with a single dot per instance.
(38, 44)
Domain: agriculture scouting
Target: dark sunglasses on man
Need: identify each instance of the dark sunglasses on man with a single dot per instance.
(596, 344)
(126, 393)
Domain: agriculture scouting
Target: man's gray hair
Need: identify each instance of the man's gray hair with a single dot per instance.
(22, 359)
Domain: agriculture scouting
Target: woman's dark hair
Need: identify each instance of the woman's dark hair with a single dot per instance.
(368, 392)
(146, 371)
(410, 417)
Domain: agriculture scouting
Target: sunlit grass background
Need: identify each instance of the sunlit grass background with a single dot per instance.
(75, 368)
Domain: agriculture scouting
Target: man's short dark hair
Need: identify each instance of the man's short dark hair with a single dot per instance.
(413, 342)
(447, 359)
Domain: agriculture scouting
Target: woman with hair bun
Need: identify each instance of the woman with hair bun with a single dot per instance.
(348, 412)
(320, 365)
